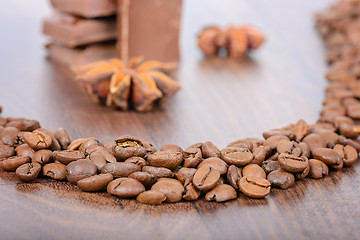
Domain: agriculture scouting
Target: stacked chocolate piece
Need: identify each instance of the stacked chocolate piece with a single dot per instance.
(82, 31)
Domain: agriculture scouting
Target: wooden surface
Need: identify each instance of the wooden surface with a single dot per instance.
(221, 101)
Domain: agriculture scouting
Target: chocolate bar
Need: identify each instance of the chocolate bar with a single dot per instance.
(86, 8)
(149, 28)
(81, 55)
(73, 31)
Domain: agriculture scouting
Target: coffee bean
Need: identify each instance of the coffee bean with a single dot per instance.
(280, 133)
(55, 145)
(37, 139)
(221, 193)
(98, 159)
(233, 176)
(260, 154)
(146, 179)
(305, 149)
(172, 188)
(331, 138)
(151, 197)
(191, 193)
(55, 171)
(292, 163)
(236, 156)
(108, 156)
(289, 147)
(205, 178)
(88, 143)
(303, 174)
(150, 148)
(327, 155)
(24, 150)
(300, 130)
(281, 179)
(12, 163)
(216, 163)
(253, 170)
(208, 149)
(185, 175)
(80, 169)
(273, 141)
(243, 143)
(120, 169)
(127, 147)
(254, 187)
(109, 146)
(314, 141)
(137, 160)
(318, 169)
(270, 165)
(95, 183)
(67, 156)
(348, 154)
(6, 151)
(28, 171)
(192, 157)
(24, 124)
(196, 145)
(159, 172)
(165, 159)
(43, 156)
(171, 148)
(125, 187)
(76, 144)
(62, 136)
(9, 135)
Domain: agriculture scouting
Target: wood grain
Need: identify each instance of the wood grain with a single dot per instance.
(222, 100)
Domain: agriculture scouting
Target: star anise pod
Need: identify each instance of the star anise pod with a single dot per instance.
(237, 41)
(138, 84)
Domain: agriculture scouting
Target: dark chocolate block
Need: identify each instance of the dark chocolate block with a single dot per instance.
(86, 8)
(79, 56)
(74, 31)
(149, 28)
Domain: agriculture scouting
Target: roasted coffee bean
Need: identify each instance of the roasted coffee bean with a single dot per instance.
(347, 153)
(37, 139)
(253, 170)
(12, 163)
(24, 124)
(3, 121)
(191, 193)
(256, 142)
(120, 169)
(172, 188)
(169, 160)
(55, 145)
(292, 163)
(273, 141)
(192, 157)
(24, 150)
(236, 156)
(9, 136)
(348, 130)
(95, 183)
(125, 187)
(43, 156)
(215, 163)
(300, 130)
(171, 148)
(205, 178)
(109, 146)
(281, 179)
(28, 171)
(159, 172)
(62, 136)
(76, 144)
(270, 165)
(305, 149)
(98, 159)
(150, 148)
(137, 160)
(279, 132)
(151, 197)
(318, 169)
(331, 138)
(55, 171)
(185, 175)
(208, 149)
(67, 156)
(241, 144)
(6, 151)
(146, 179)
(286, 146)
(108, 156)
(314, 141)
(327, 155)
(233, 176)
(196, 145)
(127, 147)
(80, 169)
(254, 187)
(88, 143)
(260, 154)
(221, 193)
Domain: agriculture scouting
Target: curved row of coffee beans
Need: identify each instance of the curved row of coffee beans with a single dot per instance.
(130, 168)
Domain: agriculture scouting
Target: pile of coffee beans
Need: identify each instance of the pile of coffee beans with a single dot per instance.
(131, 168)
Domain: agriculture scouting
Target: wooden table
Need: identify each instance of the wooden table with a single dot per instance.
(222, 100)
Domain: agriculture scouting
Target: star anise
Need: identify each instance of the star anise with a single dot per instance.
(138, 84)
(237, 41)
